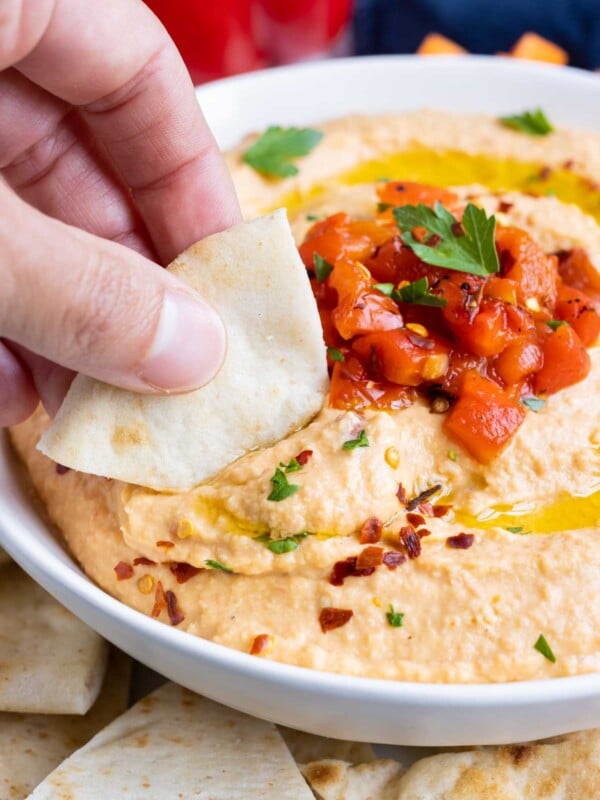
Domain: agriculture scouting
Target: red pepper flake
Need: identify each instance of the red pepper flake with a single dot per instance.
(458, 229)
(433, 240)
(142, 560)
(160, 600)
(440, 510)
(401, 494)
(371, 531)
(416, 520)
(173, 610)
(569, 164)
(183, 571)
(426, 509)
(545, 173)
(423, 532)
(348, 569)
(369, 557)
(124, 571)
(393, 559)
(165, 544)
(304, 457)
(260, 644)
(62, 470)
(331, 618)
(462, 541)
(410, 541)
(504, 206)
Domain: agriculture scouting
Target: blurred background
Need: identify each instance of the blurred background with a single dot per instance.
(233, 36)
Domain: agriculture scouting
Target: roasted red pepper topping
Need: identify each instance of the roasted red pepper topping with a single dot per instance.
(331, 618)
(123, 571)
(259, 644)
(410, 541)
(348, 569)
(476, 346)
(369, 557)
(462, 541)
(371, 531)
(183, 572)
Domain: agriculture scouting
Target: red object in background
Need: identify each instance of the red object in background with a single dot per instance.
(232, 36)
(214, 38)
(292, 30)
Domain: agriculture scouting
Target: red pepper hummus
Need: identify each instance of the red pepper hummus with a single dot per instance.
(440, 516)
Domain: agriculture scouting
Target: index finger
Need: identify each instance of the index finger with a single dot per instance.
(117, 63)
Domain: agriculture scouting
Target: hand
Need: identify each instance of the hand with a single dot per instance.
(109, 167)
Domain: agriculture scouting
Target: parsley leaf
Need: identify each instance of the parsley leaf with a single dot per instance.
(281, 487)
(312, 217)
(322, 268)
(293, 466)
(217, 565)
(556, 323)
(519, 529)
(469, 247)
(272, 152)
(381, 207)
(395, 618)
(417, 293)
(360, 441)
(535, 122)
(335, 354)
(384, 288)
(533, 403)
(544, 648)
(280, 546)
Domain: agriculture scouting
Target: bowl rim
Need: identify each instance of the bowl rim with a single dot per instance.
(47, 568)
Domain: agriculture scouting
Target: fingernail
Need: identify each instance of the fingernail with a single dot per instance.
(188, 347)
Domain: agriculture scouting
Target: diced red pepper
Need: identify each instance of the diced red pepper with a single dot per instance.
(566, 361)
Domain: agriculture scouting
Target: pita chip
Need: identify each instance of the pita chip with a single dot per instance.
(50, 662)
(563, 769)
(273, 380)
(306, 747)
(338, 780)
(32, 745)
(176, 744)
(4, 557)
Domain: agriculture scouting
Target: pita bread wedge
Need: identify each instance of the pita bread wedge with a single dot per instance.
(567, 769)
(337, 780)
(273, 380)
(4, 557)
(50, 662)
(32, 745)
(306, 747)
(176, 744)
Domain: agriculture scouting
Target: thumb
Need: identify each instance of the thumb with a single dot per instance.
(99, 308)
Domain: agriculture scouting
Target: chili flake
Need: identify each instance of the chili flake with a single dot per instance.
(416, 520)
(124, 571)
(260, 643)
(142, 560)
(160, 600)
(410, 541)
(371, 531)
(304, 457)
(183, 571)
(393, 559)
(401, 494)
(462, 541)
(165, 544)
(369, 557)
(348, 569)
(173, 610)
(331, 618)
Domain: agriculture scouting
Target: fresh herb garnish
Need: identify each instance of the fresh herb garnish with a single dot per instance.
(360, 441)
(335, 354)
(281, 487)
(395, 618)
(535, 122)
(452, 455)
(544, 648)
(272, 152)
(381, 207)
(322, 268)
(467, 247)
(533, 403)
(312, 217)
(217, 565)
(417, 293)
(519, 529)
(384, 288)
(292, 466)
(280, 546)
(556, 323)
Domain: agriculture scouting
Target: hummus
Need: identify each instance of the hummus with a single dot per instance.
(224, 562)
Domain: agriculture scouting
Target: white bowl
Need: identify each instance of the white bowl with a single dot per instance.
(334, 705)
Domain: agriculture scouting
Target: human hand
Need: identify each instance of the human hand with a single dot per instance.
(109, 167)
